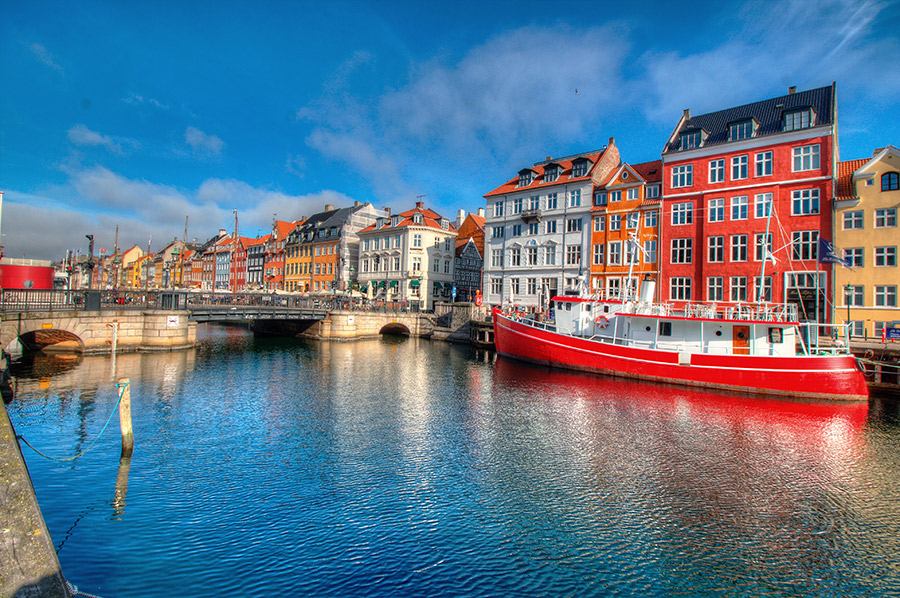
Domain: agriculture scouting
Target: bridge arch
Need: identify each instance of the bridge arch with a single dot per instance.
(394, 328)
(54, 339)
(35, 334)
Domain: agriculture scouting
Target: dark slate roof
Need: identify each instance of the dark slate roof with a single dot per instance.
(767, 114)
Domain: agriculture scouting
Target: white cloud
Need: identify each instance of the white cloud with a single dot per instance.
(82, 136)
(139, 99)
(203, 144)
(45, 57)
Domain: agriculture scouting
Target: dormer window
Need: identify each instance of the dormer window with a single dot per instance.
(799, 119)
(445, 224)
(395, 220)
(525, 177)
(743, 129)
(417, 218)
(600, 198)
(690, 140)
(551, 173)
(579, 168)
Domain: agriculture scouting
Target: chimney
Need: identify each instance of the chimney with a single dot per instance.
(612, 142)
(357, 203)
(222, 232)
(687, 114)
(792, 90)
(549, 158)
(460, 216)
(387, 210)
(420, 205)
(328, 207)
(481, 212)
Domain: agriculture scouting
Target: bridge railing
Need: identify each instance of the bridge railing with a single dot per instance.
(15, 300)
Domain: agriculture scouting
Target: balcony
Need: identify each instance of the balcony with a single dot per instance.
(531, 215)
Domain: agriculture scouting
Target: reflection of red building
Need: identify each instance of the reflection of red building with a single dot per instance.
(25, 274)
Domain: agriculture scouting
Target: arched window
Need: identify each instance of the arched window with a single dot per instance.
(890, 181)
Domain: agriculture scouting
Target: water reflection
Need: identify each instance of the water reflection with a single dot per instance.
(407, 467)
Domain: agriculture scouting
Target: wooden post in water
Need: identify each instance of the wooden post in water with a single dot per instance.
(124, 387)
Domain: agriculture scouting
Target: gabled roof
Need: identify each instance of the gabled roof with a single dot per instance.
(844, 188)
(430, 219)
(767, 113)
(462, 243)
(651, 172)
(565, 174)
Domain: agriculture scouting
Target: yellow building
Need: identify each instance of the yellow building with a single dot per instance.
(865, 221)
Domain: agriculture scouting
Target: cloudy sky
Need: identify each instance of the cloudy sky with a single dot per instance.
(139, 115)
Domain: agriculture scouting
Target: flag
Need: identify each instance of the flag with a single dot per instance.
(828, 254)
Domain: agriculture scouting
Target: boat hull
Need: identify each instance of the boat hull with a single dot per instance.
(819, 377)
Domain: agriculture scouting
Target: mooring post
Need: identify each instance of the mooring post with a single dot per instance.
(124, 387)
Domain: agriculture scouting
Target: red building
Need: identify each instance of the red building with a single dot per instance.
(747, 193)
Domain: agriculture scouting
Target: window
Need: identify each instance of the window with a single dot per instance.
(683, 213)
(689, 140)
(573, 225)
(525, 178)
(396, 264)
(632, 219)
(533, 228)
(716, 249)
(652, 191)
(855, 296)
(715, 288)
(615, 196)
(764, 292)
(763, 246)
(550, 255)
(516, 230)
(739, 208)
(496, 258)
(497, 286)
(530, 287)
(446, 266)
(763, 204)
(739, 167)
(650, 252)
(437, 265)
(682, 251)
(679, 289)
(854, 255)
(600, 198)
(683, 176)
(805, 202)
(890, 181)
(574, 198)
(740, 130)
(599, 224)
(417, 238)
(804, 244)
(496, 233)
(397, 241)
(515, 256)
(886, 296)
(531, 253)
(552, 202)
(551, 226)
(716, 210)
(886, 256)
(885, 218)
(597, 258)
(615, 253)
(632, 194)
(853, 220)
(579, 168)
(551, 173)
(738, 288)
(764, 164)
(573, 255)
(717, 171)
(615, 222)
(650, 219)
(806, 157)
(797, 119)
(517, 205)
(417, 264)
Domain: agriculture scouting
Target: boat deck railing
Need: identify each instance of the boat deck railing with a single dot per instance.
(766, 312)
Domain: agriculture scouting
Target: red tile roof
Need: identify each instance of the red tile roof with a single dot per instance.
(565, 174)
(844, 189)
(430, 219)
(649, 171)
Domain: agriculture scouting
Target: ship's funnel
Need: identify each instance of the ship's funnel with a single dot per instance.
(648, 290)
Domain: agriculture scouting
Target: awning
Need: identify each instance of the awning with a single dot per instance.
(364, 288)
(393, 283)
(380, 284)
(413, 284)
(437, 285)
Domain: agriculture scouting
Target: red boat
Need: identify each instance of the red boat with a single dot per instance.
(743, 348)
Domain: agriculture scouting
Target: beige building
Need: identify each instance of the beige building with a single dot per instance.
(865, 222)
(408, 257)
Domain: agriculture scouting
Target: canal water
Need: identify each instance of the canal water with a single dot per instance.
(405, 467)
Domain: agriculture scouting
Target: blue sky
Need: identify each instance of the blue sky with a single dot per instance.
(137, 115)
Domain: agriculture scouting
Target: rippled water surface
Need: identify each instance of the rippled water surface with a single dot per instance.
(404, 467)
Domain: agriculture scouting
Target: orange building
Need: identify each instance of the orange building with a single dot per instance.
(625, 228)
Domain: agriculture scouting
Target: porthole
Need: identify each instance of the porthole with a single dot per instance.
(647, 329)
(718, 333)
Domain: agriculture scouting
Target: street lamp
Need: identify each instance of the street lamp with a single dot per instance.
(847, 290)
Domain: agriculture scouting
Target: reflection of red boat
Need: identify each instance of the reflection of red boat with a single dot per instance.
(739, 348)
